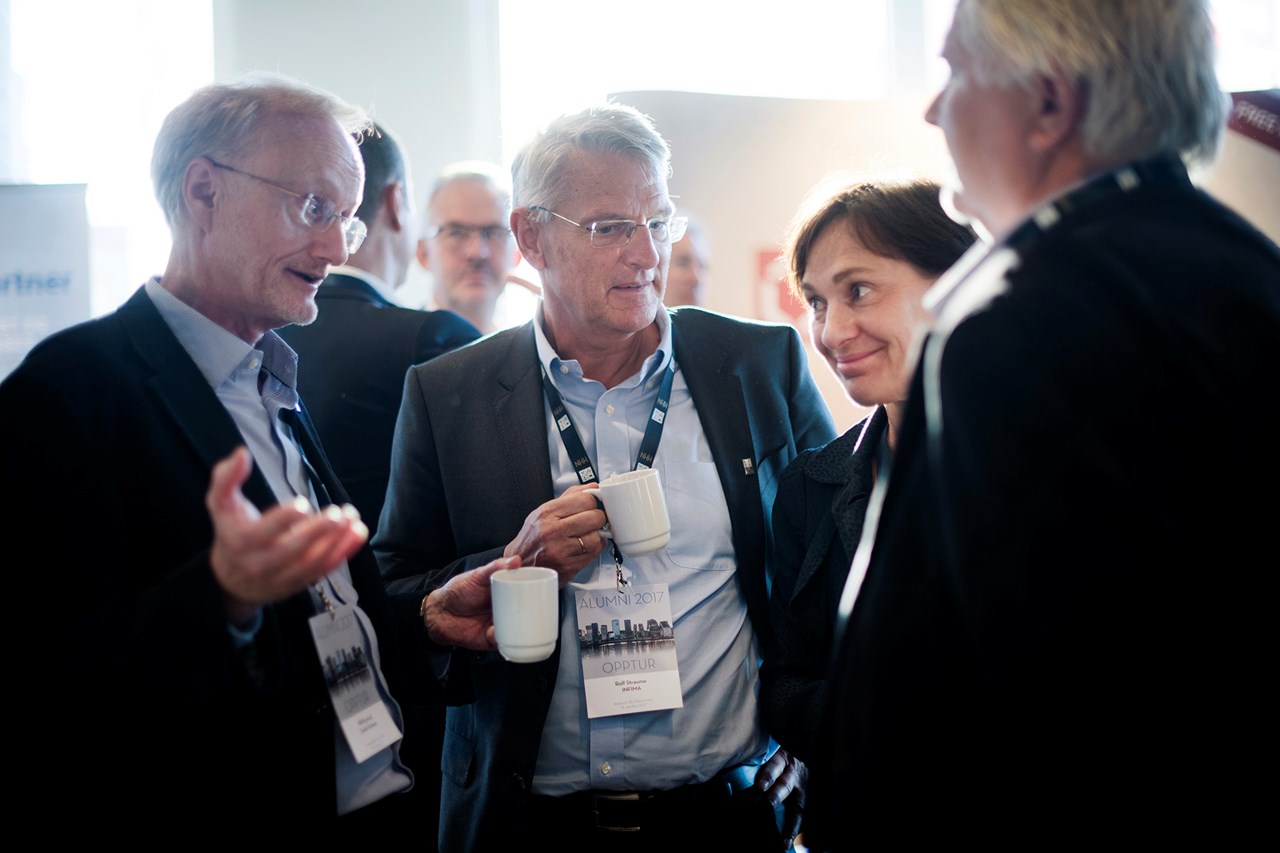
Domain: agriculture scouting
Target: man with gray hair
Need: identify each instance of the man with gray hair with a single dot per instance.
(1058, 631)
(226, 660)
(466, 241)
(499, 451)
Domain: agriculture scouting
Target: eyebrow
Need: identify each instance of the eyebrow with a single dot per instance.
(665, 213)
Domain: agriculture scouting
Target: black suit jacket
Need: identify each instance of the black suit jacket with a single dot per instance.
(141, 705)
(351, 366)
(817, 522)
(472, 462)
(1063, 630)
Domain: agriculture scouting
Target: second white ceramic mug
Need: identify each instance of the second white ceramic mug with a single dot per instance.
(526, 612)
(637, 511)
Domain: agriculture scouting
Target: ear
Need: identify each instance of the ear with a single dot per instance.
(393, 202)
(201, 192)
(528, 232)
(424, 258)
(1059, 109)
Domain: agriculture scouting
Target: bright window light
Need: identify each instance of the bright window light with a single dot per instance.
(93, 119)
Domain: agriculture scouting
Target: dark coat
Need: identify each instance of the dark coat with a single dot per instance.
(1063, 632)
(817, 522)
(351, 366)
(148, 717)
(473, 444)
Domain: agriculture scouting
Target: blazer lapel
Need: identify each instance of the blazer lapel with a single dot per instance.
(182, 391)
(520, 414)
(717, 394)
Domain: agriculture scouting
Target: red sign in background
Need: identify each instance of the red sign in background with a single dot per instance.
(774, 301)
(1257, 116)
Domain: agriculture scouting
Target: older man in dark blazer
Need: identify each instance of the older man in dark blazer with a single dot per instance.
(202, 551)
(498, 451)
(354, 356)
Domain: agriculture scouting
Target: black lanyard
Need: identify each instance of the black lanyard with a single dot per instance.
(578, 452)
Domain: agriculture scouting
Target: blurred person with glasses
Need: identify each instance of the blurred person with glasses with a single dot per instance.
(690, 263)
(498, 452)
(466, 242)
(217, 577)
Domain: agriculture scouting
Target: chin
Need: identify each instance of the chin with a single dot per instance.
(302, 315)
(860, 394)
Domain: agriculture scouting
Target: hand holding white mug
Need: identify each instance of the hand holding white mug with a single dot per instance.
(526, 612)
(637, 511)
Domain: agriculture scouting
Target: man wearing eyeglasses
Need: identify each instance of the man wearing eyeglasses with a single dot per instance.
(466, 241)
(223, 656)
(498, 452)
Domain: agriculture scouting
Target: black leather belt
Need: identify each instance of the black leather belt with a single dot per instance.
(632, 811)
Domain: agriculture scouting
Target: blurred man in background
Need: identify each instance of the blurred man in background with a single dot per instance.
(466, 241)
(690, 263)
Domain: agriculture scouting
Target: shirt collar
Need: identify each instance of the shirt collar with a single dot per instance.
(552, 363)
(217, 352)
(385, 290)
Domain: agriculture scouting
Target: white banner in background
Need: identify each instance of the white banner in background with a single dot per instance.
(44, 265)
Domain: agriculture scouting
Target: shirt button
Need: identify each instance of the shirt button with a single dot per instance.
(608, 409)
(564, 368)
(606, 769)
(253, 364)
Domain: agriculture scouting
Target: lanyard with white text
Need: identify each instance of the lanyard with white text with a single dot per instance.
(578, 452)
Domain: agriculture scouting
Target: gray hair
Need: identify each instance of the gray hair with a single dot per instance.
(489, 175)
(608, 129)
(1146, 67)
(219, 121)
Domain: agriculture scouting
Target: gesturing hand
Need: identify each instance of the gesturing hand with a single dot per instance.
(261, 557)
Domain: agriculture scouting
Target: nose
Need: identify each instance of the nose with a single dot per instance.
(838, 326)
(476, 246)
(331, 244)
(641, 251)
(931, 114)
(695, 273)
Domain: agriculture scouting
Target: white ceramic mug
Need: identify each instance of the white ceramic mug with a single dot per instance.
(526, 612)
(637, 511)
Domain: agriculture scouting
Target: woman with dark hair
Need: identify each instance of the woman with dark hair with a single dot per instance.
(861, 259)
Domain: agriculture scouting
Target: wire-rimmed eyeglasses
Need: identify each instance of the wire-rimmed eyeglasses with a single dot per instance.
(611, 233)
(457, 234)
(315, 212)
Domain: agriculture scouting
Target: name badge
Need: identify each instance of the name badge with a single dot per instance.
(348, 672)
(627, 643)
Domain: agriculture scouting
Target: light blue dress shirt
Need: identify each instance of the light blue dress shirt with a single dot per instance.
(232, 367)
(718, 654)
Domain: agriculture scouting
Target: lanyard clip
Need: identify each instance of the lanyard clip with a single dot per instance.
(617, 559)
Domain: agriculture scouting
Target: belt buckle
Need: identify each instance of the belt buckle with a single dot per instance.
(621, 797)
